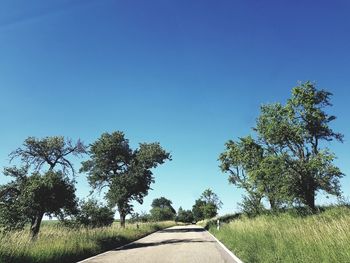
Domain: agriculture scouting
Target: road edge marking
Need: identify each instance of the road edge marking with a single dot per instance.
(225, 248)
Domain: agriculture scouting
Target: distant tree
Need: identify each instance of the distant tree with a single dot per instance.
(206, 206)
(162, 209)
(125, 172)
(162, 202)
(197, 210)
(185, 216)
(39, 187)
(162, 214)
(144, 217)
(93, 214)
(209, 197)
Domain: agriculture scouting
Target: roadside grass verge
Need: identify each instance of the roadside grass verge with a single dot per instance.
(59, 244)
(286, 238)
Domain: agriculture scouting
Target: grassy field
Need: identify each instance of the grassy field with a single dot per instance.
(284, 238)
(59, 244)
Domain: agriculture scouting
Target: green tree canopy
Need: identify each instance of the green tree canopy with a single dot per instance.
(206, 206)
(287, 163)
(162, 202)
(296, 131)
(126, 173)
(41, 186)
(162, 209)
(185, 216)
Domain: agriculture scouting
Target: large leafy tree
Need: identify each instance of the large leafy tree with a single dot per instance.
(288, 162)
(296, 131)
(256, 170)
(126, 173)
(41, 186)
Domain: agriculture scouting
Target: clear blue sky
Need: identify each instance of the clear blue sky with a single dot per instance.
(189, 74)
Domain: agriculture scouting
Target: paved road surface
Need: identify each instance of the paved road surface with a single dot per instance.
(180, 244)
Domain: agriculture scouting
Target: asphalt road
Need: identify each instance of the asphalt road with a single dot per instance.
(184, 244)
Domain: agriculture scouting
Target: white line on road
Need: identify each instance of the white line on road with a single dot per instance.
(226, 249)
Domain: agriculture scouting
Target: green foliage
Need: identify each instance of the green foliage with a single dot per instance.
(162, 202)
(38, 187)
(185, 216)
(92, 214)
(29, 198)
(206, 206)
(296, 131)
(50, 152)
(162, 210)
(197, 210)
(286, 164)
(142, 217)
(125, 172)
(162, 214)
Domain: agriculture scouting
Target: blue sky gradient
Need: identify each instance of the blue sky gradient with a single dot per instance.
(189, 74)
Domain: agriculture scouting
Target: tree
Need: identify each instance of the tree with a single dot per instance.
(38, 187)
(161, 214)
(286, 163)
(206, 206)
(162, 202)
(125, 172)
(256, 170)
(209, 197)
(92, 214)
(197, 210)
(162, 209)
(296, 131)
(31, 197)
(185, 216)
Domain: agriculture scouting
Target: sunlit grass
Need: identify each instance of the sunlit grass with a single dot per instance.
(58, 244)
(284, 238)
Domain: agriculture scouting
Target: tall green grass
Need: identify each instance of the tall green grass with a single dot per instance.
(285, 238)
(58, 244)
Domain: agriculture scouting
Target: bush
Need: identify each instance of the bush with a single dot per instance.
(162, 214)
(93, 214)
(142, 217)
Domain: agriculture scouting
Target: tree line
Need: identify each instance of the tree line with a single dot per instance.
(43, 180)
(287, 161)
(205, 207)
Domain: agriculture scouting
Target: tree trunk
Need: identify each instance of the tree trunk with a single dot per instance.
(35, 226)
(310, 199)
(272, 204)
(122, 220)
(310, 193)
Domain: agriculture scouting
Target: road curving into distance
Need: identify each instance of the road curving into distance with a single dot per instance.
(184, 244)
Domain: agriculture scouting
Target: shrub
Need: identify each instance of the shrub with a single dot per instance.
(93, 214)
